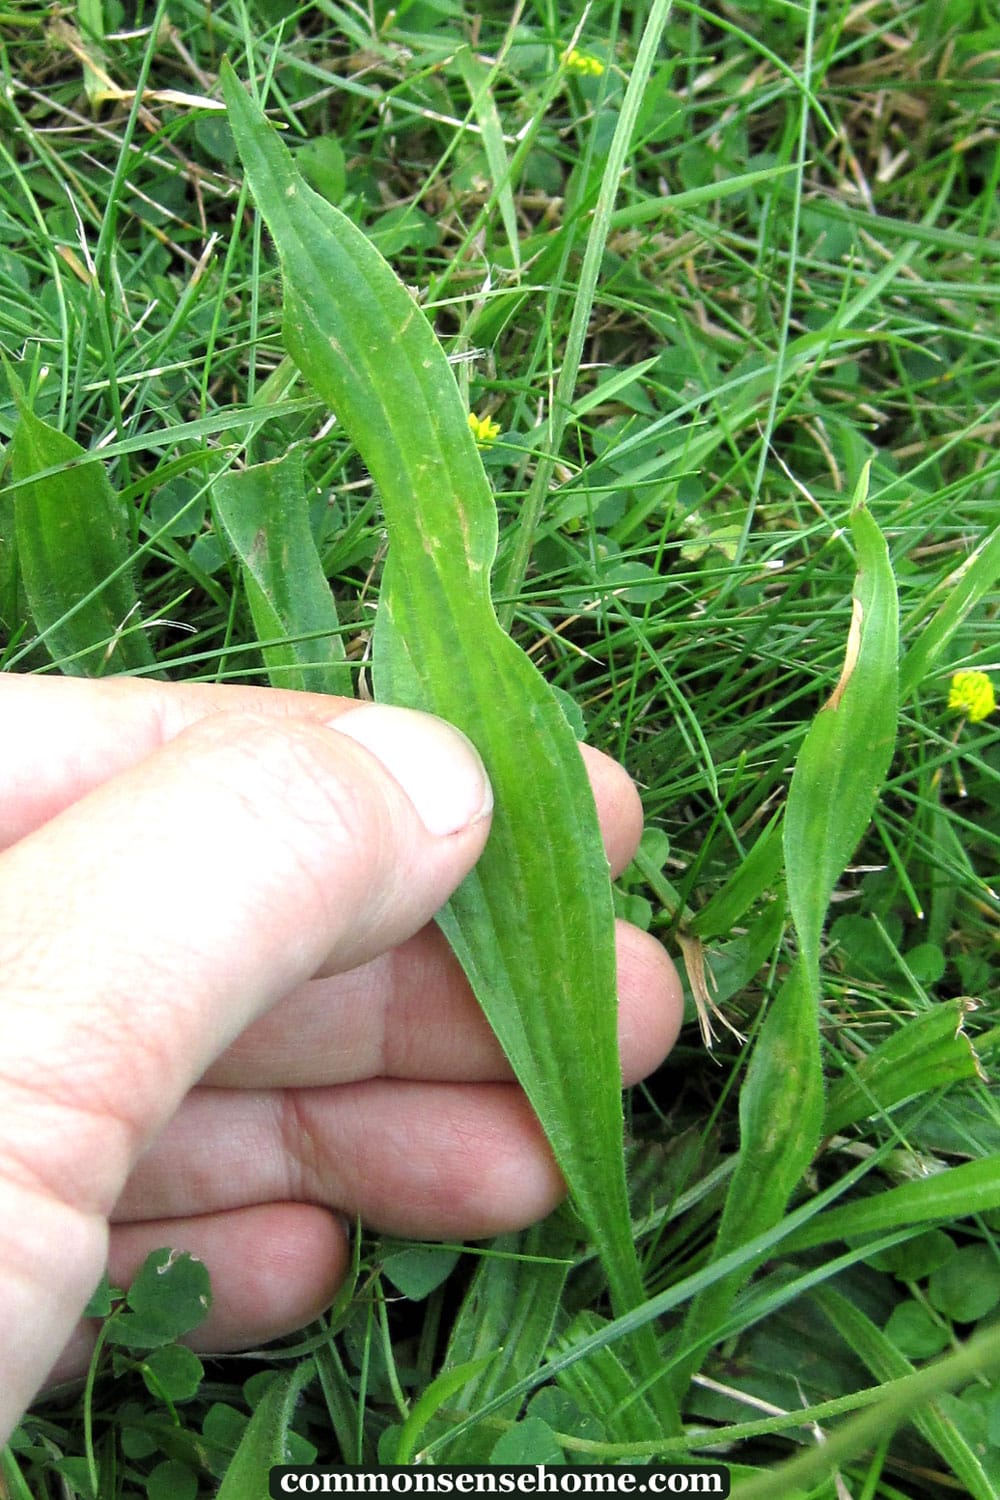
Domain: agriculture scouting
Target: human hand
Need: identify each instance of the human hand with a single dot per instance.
(224, 1019)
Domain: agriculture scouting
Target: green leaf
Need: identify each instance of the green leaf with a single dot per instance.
(441, 1389)
(419, 1270)
(173, 1372)
(837, 776)
(962, 590)
(841, 765)
(967, 1286)
(601, 1385)
(478, 79)
(757, 874)
(321, 162)
(171, 1480)
(533, 926)
(77, 1472)
(904, 1401)
(529, 1441)
(781, 1107)
(510, 1308)
(73, 551)
(560, 1413)
(265, 1439)
(927, 1052)
(952, 1194)
(887, 1363)
(100, 1300)
(169, 1297)
(265, 513)
(914, 1332)
(915, 1259)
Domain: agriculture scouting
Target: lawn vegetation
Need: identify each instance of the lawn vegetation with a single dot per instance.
(734, 373)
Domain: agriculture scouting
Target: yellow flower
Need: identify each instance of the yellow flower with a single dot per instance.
(582, 62)
(972, 695)
(484, 430)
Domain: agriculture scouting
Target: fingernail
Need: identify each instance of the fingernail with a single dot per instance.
(438, 768)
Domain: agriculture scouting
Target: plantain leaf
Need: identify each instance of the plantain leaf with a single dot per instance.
(837, 777)
(73, 552)
(264, 512)
(927, 1052)
(533, 926)
(265, 1441)
(953, 1193)
(601, 1386)
(781, 1111)
(845, 756)
(510, 1307)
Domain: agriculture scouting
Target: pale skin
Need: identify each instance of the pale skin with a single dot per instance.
(226, 1022)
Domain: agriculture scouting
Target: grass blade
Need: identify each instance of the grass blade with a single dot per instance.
(73, 551)
(264, 512)
(597, 238)
(441, 1389)
(533, 926)
(478, 79)
(979, 1358)
(963, 590)
(886, 1363)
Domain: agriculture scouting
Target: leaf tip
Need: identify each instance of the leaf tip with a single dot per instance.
(859, 499)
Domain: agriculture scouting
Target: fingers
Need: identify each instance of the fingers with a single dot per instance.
(410, 1014)
(419, 1158)
(74, 735)
(428, 1160)
(143, 927)
(434, 1161)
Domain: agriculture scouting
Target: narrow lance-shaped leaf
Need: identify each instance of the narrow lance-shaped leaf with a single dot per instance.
(927, 1052)
(533, 926)
(264, 512)
(955, 1193)
(73, 552)
(845, 756)
(838, 773)
(781, 1110)
(264, 1444)
(510, 1307)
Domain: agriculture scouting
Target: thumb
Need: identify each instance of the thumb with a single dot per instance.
(145, 926)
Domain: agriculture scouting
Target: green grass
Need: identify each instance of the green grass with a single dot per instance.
(800, 278)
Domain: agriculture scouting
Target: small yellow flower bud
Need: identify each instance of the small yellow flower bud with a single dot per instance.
(582, 62)
(972, 695)
(484, 430)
